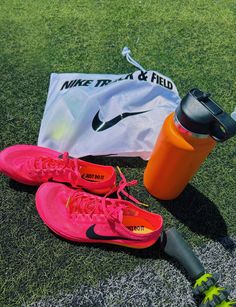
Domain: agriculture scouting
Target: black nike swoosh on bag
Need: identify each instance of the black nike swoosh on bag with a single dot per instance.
(98, 125)
(91, 234)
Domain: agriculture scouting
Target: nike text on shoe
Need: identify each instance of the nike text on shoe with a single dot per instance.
(34, 165)
(82, 217)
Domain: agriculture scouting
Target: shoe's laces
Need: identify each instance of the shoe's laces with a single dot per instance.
(68, 167)
(121, 189)
(80, 202)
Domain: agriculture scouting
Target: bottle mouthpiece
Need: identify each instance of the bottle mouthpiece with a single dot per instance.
(200, 114)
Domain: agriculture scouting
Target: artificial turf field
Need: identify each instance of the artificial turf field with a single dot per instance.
(192, 42)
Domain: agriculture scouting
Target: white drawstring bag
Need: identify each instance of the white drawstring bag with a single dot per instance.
(105, 114)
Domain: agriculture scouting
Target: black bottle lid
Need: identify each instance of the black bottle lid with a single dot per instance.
(200, 114)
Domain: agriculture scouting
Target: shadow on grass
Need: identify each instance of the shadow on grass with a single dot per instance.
(200, 215)
(20, 187)
(132, 162)
(152, 252)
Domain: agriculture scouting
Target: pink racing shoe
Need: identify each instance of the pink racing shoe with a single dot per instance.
(34, 165)
(82, 217)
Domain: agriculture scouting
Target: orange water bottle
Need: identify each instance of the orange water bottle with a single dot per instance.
(187, 137)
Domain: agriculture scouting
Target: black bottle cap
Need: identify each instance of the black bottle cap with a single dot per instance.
(200, 114)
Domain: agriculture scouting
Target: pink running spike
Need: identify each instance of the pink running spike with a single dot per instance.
(82, 217)
(34, 165)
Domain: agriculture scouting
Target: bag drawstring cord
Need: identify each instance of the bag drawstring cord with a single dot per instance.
(126, 53)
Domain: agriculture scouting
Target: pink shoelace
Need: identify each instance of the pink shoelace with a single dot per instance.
(67, 168)
(80, 202)
(121, 189)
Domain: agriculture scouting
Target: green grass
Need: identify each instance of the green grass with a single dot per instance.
(190, 41)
